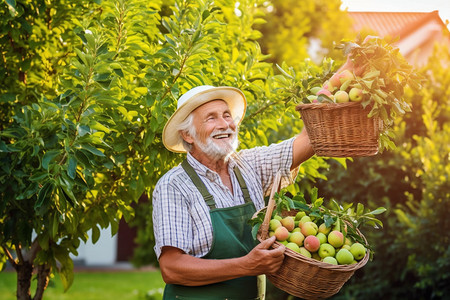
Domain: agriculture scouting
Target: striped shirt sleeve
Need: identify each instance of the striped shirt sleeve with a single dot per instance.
(172, 221)
(267, 160)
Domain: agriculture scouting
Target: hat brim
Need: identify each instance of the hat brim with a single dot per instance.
(234, 98)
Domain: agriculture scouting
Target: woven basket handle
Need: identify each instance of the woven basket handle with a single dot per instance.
(270, 206)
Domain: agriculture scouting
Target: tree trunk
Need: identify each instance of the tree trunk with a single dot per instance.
(24, 273)
(42, 281)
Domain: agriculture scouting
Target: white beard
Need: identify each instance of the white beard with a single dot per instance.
(216, 151)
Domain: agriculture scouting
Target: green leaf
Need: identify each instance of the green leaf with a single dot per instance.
(360, 209)
(71, 170)
(8, 97)
(42, 199)
(38, 176)
(48, 157)
(92, 149)
(372, 74)
(67, 188)
(83, 130)
(11, 3)
(66, 270)
(95, 234)
(284, 72)
(378, 211)
(66, 197)
(205, 14)
(53, 228)
(255, 229)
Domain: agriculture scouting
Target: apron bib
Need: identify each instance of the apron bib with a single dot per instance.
(231, 238)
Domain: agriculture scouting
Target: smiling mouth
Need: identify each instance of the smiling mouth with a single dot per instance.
(222, 136)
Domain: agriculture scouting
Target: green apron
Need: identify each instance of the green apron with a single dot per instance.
(231, 238)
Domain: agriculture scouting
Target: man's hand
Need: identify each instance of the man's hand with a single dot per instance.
(264, 260)
(178, 267)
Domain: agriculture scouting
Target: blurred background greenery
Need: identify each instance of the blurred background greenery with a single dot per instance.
(85, 90)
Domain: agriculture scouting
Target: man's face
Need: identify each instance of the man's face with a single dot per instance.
(216, 133)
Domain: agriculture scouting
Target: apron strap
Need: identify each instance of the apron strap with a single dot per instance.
(209, 199)
(242, 184)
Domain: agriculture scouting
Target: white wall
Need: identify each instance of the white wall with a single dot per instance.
(102, 253)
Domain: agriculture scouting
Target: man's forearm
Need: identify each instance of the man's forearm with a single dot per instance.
(302, 149)
(180, 268)
(192, 271)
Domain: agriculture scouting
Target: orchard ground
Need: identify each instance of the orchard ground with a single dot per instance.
(119, 281)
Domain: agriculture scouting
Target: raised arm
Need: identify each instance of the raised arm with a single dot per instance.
(302, 149)
(180, 268)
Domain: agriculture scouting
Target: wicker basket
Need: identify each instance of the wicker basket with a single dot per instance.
(341, 129)
(299, 275)
(308, 278)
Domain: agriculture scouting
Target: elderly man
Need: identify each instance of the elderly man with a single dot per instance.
(201, 207)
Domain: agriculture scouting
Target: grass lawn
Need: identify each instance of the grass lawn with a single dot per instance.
(94, 286)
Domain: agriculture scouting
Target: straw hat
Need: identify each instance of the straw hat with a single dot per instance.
(193, 99)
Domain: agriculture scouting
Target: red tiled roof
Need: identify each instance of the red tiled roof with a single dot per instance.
(394, 24)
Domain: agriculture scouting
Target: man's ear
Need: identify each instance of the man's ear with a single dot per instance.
(187, 137)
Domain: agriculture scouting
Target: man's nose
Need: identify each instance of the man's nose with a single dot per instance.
(223, 123)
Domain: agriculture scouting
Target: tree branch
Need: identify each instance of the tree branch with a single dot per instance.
(43, 273)
(10, 257)
(19, 253)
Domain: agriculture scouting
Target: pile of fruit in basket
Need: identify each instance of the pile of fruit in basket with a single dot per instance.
(378, 78)
(340, 88)
(321, 233)
(327, 244)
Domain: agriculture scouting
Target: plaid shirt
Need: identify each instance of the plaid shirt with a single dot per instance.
(180, 215)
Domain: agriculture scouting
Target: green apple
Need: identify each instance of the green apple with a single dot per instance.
(277, 217)
(341, 97)
(316, 256)
(336, 239)
(326, 250)
(305, 252)
(344, 257)
(284, 242)
(311, 243)
(303, 220)
(309, 228)
(297, 237)
(274, 224)
(288, 222)
(322, 237)
(346, 247)
(271, 233)
(296, 229)
(314, 90)
(348, 241)
(281, 233)
(324, 229)
(355, 94)
(330, 260)
(358, 251)
(293, 246)
(299, 215)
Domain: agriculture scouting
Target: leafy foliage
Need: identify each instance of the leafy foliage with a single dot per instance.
(292, 27)
(411, 182)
